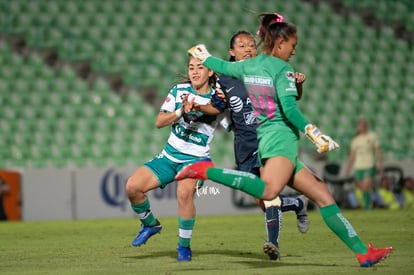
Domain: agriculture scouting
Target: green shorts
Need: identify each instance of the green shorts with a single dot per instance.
(280, 143)
(166, 170)
(361, 174)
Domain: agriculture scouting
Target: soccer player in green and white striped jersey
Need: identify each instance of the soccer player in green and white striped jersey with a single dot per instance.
(191, 134)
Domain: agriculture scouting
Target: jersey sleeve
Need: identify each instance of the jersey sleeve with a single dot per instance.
(169, 102)
(376, 140)
(221, 66)
(286, 89)
(353, 144)
(219, 99)
(292, 113)
(286, 82)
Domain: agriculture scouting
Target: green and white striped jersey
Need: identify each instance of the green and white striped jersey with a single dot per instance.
(192, 134)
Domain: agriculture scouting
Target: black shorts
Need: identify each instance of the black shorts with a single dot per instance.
(250, 165)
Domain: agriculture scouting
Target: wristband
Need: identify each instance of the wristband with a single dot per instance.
(179, 112)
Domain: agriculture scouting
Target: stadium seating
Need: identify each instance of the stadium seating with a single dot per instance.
(387, 11)
(51, 117)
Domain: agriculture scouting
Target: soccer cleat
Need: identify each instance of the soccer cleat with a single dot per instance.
(302, 216)
(272, 251)
(196, 170)
(184, 254)
(373, 256)
(146, 233)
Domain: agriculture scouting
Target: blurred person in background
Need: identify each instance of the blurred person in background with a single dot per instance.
(243, 121)
(406, 196)
(366, 160)
(189, 140)
(384, 196)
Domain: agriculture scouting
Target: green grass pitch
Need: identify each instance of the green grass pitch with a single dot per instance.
(220, 244)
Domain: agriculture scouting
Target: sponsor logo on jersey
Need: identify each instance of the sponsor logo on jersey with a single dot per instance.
(229, 89)
(236, 104)
(250, 118)
(258, 80)
(290, 76)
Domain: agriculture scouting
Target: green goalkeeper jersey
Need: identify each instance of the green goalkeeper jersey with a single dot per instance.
(271, 85)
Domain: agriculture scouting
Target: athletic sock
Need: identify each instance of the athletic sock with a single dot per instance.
(367, 200)
(291, 204)
(342, 228)
(246, 182)
(273, 221)
(185, 230)
(144, 213)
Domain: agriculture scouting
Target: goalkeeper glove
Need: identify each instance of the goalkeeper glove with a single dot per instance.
(199, 52)
(323, 142)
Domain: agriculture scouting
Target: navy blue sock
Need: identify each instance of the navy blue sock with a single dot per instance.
(273, 223)
(290, 204)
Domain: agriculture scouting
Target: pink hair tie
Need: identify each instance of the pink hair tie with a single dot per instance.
(279, 19)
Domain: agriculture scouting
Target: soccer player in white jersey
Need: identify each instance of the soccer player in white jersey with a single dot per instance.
(191, 134)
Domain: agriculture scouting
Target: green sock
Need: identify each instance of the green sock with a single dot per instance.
(342, 228)
(367, 200)
(185, 230)
(246, 182)
(144, 213)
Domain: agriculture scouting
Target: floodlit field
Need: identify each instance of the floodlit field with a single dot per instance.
(221, 245)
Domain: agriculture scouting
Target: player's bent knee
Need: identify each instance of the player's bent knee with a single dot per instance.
(136, 185)
(131, 187)
(274, 202)
(185, 195)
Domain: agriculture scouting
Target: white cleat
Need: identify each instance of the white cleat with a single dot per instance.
(302, 216)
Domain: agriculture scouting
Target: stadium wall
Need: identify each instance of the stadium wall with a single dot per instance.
(62, 194)
(90, 193)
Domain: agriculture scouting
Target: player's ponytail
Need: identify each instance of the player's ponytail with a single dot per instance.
(273, 26)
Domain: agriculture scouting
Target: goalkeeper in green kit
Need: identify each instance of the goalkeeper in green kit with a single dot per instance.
(270, 82)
